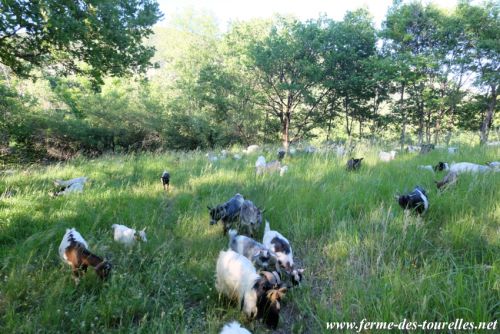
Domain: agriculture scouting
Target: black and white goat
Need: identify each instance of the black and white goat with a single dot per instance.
(165, 180)
(237, 278)
(416, 200)
(441, 166)
(279, 245)
(228, 212)
(257, 253)
(250, 218)
(74, 251)
(354, 164)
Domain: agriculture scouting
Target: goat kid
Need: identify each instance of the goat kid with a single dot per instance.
(228, 212)
(165, 180)
(387, 156)
(234, 328)
(127, 235)
(354, 164)
(279, 245)
(416, 200)
(250, 218)
(261, 257)
(237, 278)
(74, 251)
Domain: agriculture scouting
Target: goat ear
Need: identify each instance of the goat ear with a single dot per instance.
(144, 229)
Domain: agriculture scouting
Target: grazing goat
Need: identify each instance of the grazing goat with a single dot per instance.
(126, 235)
(412, 149)
(494, 164)
(261, 257)
(416, 200)
(275, 277)
(468, 167)
(69, 186)
(250, 218)
(228, 212)
(234, 328)
(426, 148)
(262, 167)
(165, 180)
(251, 149)
(448, 180)
(387, 156)
(237, 278)
(452, 150)
(281, 154)
(354, 164)
(280, 246)
(441, 166)
(74, 251)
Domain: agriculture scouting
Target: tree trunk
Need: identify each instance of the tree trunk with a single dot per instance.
(403, 117)
(347, 127)
(488, 119)
(285, 130)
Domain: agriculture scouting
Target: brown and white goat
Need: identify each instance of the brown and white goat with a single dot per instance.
(74, 251)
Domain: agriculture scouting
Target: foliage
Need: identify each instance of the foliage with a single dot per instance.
(106, 36)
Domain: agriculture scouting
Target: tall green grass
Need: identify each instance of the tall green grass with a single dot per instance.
(365, 258)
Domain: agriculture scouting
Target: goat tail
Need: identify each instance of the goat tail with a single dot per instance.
(268, 228)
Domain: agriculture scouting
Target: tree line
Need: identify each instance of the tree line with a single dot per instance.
(425, 74)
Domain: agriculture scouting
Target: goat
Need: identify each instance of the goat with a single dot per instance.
(412, 149)
(165, 180)
(426, 148)
(126, 235)
(452, 150)
(387, 156)
(262, 167)
(237, 278)
(228, 212)
(441, 166)
(234, 328)
(252, 149)
(261, 257)
(354, 164)
(448, 180)
(275, 277)
(468, 167)
(281, 154)
(280, 246)
(493, 164)
(416, 200)
(74, 251)
(69, 186)
(250, 218)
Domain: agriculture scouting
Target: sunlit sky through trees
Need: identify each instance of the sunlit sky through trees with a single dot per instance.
(227, 10)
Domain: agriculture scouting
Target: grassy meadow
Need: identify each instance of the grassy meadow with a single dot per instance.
(365, 258)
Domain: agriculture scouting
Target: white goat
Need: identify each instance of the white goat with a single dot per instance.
(236, 278)
(387, 156)
(468, 167)
(279, 245)
(234, 328)
(70, 186)
(126, 235)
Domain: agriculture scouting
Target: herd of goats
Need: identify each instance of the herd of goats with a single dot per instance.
(254, 274)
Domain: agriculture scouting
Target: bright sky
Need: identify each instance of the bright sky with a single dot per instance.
(226, 10)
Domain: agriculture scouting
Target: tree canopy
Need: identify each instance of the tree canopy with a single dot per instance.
(95, 38)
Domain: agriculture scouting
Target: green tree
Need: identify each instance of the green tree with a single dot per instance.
(90, 37)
